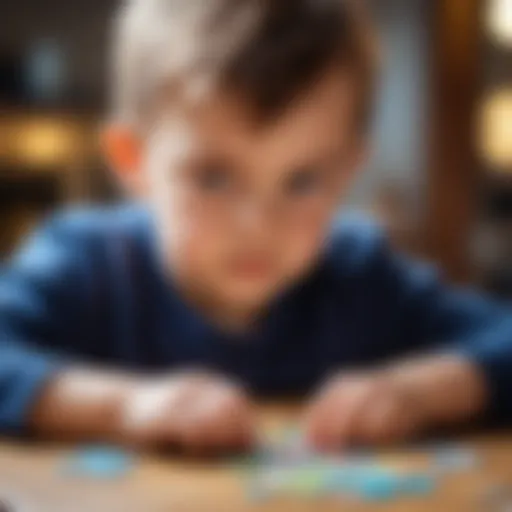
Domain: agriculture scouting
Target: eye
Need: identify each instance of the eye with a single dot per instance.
(304, 182)
(213, 177)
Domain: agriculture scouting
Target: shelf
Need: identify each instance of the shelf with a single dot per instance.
(29, 188)
(82, 110)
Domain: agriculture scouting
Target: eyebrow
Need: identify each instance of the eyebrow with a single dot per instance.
(321, 163)
(188, 165)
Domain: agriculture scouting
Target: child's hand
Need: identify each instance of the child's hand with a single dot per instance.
(199, 413)
(196, 412)
(362, 408)
(394, 404)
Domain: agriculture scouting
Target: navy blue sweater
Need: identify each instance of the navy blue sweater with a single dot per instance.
(87, 287)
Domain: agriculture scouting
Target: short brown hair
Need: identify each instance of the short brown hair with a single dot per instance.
(268, 51)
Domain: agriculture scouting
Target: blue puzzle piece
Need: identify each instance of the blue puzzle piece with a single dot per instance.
(378, 486)
(417, 484)
(340, 480)
(99, 462)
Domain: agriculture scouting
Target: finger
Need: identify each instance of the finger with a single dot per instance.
(181, 425)
(338, 415)
(318, 408)
(220, 422)
(195, 438)
(381, 422)
(342, 429)
(392, 417)
(152, 412)
(216, 423)
(234, 426)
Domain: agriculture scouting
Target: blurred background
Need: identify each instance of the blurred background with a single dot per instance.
(440, 176)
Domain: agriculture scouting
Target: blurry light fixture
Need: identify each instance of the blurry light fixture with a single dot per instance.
(496, 130)
(47, 142)
(500, 21)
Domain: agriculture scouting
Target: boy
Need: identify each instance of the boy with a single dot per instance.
(239, 124)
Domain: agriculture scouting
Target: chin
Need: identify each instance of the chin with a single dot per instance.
(249, 294)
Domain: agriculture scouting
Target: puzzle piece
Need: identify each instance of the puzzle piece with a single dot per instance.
(287, 446)
(308, 483)
(378, 486)
(339, 480)
(101, 462)
(368, 483)
(454, 458)
(417, 484)
(286, 466)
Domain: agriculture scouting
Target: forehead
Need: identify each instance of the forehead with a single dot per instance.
(322, 117)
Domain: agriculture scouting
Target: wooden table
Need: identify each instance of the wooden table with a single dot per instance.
(31, 477)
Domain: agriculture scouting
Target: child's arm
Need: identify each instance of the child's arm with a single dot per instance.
(197, 412)
(41, 300)
(46, 386)
(81, 403)
(394, 403)
(458, 363)
(443, 323)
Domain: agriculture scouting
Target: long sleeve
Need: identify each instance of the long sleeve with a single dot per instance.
(41, 300)
(435, 317)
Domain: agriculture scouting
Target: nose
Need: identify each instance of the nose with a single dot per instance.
(254, 217)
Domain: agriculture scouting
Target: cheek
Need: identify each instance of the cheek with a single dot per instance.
(179, 222)
(304, 243)
(191, 239)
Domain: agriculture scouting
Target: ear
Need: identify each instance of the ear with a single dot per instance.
(123, 151)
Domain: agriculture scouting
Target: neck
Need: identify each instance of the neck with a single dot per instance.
(228, 316)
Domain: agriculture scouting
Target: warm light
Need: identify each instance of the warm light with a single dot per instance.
(500, 21)
(496, 130)
(45, 143)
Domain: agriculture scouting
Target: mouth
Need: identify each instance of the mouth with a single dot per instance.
(251, 268)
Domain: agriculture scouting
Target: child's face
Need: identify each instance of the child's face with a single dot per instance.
(243, 211)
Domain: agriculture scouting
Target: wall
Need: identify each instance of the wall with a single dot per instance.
(400, 147)
(399, 152)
